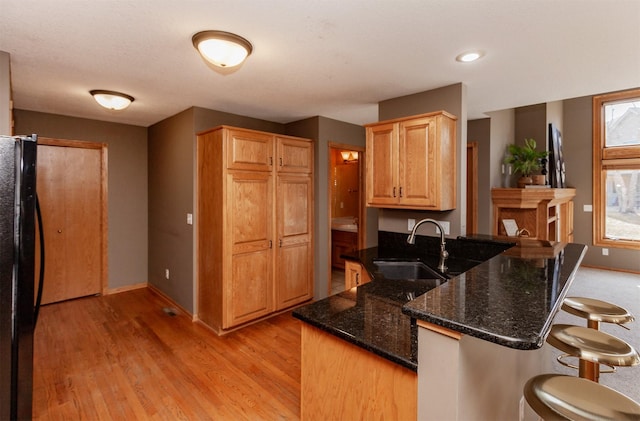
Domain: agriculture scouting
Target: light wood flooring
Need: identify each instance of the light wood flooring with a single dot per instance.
(121, 357)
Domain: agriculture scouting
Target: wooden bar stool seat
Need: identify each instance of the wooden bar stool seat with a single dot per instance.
(560, 397)
(596, 311)
(592, 347)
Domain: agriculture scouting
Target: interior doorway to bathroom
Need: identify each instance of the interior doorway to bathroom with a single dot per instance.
(346, 208)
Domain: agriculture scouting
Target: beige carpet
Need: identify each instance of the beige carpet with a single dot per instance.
(622, 289)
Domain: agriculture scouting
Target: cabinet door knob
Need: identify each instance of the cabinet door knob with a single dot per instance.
(394, 192)
(270, 244)
(280, 161)
(59, 231)
(400, 191)
(357, 279)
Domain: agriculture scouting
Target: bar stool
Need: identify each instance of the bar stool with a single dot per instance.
(592, 347)
(597, 311)
(561, 397)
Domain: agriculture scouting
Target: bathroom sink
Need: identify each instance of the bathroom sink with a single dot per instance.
(405, 270)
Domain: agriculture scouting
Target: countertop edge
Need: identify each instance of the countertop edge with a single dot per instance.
(354, 341)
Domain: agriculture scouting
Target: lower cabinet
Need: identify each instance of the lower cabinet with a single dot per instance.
(342, 242)
(340, 381)
(354, 275)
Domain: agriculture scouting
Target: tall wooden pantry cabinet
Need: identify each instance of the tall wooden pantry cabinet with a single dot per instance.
(254, 225)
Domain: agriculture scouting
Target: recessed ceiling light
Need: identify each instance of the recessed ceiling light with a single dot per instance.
(469, 56)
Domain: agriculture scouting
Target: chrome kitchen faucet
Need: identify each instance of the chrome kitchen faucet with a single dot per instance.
(443, 252)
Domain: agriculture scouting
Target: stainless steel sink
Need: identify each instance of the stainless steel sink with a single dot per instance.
(405, 270)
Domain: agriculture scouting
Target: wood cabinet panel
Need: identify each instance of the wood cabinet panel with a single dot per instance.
(354, 275)
(249, 150)
(411, 162)
(294, 270)
(342, 242)
(249, 292)
(382, 155)
(249, 211)
(294, 155)
(340, 381)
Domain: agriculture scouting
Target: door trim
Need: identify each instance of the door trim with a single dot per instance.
(472, 188)
(104, 266)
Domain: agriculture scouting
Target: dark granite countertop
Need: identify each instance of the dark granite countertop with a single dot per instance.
(496, 290)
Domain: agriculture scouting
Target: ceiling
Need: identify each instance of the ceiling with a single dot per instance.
(335, 58)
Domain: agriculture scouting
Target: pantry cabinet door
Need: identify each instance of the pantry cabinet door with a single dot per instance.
(294, 252)
(247, 279)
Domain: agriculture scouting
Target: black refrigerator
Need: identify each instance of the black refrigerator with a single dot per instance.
(17, 267)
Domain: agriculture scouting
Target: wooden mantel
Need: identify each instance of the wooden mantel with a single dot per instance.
(545, 213)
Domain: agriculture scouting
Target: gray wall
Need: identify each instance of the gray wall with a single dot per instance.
(577, 150)
(5, 94)
(172, 174)
(574, 119)
(452, 99)
(324, 130)
(127, 185)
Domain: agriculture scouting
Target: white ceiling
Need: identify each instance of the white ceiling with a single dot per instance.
(335, 58)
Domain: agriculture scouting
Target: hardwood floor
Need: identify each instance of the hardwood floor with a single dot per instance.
(122, 357)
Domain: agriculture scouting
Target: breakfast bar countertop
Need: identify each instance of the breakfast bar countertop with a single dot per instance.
(498, 291)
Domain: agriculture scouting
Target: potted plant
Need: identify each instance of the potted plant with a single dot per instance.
(525, 159)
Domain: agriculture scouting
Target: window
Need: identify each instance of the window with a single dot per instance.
(616, 164)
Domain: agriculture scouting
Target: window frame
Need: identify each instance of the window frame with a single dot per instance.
(609, 158)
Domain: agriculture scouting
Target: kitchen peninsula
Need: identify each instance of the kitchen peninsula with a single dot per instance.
(473, 335)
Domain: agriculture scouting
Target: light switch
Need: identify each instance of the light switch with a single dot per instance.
(189, 219)
(587, 208)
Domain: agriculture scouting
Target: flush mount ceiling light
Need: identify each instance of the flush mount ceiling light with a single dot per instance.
(469, 56)
(112, 100)
(222, 49)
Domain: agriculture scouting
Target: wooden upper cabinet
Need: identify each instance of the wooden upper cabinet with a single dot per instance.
(382, 164)
(411, 162)
(249, 150)
(294, 155)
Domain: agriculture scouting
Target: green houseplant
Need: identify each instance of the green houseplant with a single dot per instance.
(525, 159)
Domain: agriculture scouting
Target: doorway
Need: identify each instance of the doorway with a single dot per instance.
(346, 208)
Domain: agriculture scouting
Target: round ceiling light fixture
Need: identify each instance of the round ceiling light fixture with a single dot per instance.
(469, 56)
(112, 100)
(222, 49)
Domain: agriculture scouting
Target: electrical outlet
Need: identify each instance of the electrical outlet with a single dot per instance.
(445, 226)
(189, 219)
(587, 208)
(605, 252)
(166, 273)
(410, 224)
